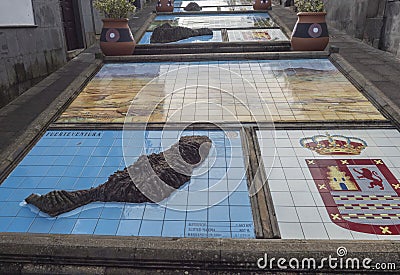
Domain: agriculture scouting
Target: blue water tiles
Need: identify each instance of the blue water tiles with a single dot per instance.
(216, 37)
(215, 203)
(201, 16)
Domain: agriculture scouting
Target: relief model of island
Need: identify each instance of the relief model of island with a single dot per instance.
(151, 178)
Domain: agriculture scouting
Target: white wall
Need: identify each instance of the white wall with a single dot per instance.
(16, 13)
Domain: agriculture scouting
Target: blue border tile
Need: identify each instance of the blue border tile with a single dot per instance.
(5, 223)
(41, 225)
(92, 210)
(84, 226)
(106, 227)
(27, 212)
(20, 224)
(112, 211)
(129, 227)
(63, 226)
(133, 211)
(5, 193)
(154, 212)
(150, 228)
(173, 229)
(241, 213)
(9, 209)
(174, 215)
(197, 213)
(219, 213)
(49, 182)
(239, 198)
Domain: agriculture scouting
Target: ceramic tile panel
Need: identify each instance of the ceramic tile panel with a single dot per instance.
(214, 203)
(216, 3)
(216, 37)
(256, 35)
(220, 91)
(219, 8)
(236, 8)
(215, 21)
(334, 184)
(204, 9)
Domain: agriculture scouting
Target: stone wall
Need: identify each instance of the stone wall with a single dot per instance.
(391, 39)
(362, 19)
(87, 21)
(29, 54)
(376, 22)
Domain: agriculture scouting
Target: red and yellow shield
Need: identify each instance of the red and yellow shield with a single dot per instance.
(359, 194)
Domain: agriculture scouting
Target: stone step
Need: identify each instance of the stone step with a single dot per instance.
(215, 47)
(215, 56)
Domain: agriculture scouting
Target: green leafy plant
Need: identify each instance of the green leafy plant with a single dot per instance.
(115, 8)
(309, 5)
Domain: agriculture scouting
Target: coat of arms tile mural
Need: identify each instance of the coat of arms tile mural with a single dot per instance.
(359, 194)
(345, 185)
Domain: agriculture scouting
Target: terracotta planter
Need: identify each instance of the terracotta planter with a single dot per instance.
(262, 5)
(165, 6)
(310, 32)
(116, 37)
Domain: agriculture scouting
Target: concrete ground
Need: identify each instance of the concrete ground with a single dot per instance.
(23, 120)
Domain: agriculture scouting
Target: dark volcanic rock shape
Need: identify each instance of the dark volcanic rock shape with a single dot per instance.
(192, 6)
(167, 33)
(150, 179)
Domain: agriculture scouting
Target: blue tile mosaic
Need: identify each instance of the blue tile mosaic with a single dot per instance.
(216, 37)
(252, 15)
(214, 203)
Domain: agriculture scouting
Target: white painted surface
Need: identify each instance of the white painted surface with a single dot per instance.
(16, 13)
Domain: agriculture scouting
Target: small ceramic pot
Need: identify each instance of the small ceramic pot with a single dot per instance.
(165, 6)
(310, 32)
(262, 5)
(116, 37)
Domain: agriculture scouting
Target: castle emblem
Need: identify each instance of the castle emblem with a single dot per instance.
(338, 180)
(359, 194)
(334, 144)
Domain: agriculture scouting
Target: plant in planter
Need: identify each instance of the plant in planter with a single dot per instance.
(116, 37)
(310, 32)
